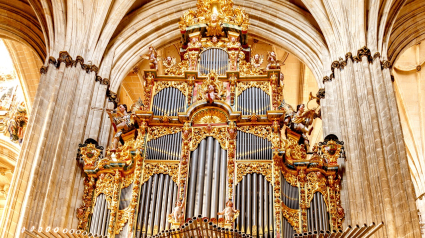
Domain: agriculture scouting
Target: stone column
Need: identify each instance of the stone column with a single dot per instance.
(377, 182)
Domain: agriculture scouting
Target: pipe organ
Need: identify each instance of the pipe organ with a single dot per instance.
(214, 150)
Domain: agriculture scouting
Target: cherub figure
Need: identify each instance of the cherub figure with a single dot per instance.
(211, 93)
(214, 42)
(228, 212)
(256, 62)
(178, 214)
(300, 122)
(169, 64)
(193, 50)
(233, 48)
(273, 62)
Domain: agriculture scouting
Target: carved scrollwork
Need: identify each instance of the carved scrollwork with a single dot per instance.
(122, 218)
(182, 86)
(84, 210)
(156, 132)
(249, 168)
(171, 169)
(105, 185)
(264, 132)
(136, 189)
(263, 85)
(127, 180)
(209, 115)
(316, 182)
(291, 215)
(200, 133)
(90, 154)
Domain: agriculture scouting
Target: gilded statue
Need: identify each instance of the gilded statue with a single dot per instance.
(273, 63)
(178, 214)
(214, 25)
(193, 51)
(153, 58)
(214, 42)
(212, 88)
(233, 47)
(229, 212)
(256, 62)
(122, 124)
(299, 121)
(16, 123)
(169, 64)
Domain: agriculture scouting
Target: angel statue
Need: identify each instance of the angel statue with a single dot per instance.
(273, 62)
(178, 215)
(169, 64)
(299, 121)
(229, 213)
(214, 26)
(256, 62)
(152, 56)
(121, 121)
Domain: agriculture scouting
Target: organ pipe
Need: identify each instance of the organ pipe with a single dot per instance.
(253, 199)
(253, 100)
(206, 158)
(169, 101)
(157, 197)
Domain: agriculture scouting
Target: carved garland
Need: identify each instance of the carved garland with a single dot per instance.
(182, 86)
(85, 209)
(249, 168)
(183, 168)
(200, 133)
(263, 85)
(115, 203)
(156, 132)
(136, 190)
(276, 193)
(161, 168)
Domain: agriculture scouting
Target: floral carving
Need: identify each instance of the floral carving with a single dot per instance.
(200, 133)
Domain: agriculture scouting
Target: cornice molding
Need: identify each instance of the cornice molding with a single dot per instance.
(65, 58)
(363, 52)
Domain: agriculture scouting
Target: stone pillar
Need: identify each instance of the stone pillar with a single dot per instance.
(47, 160)
(377, 182)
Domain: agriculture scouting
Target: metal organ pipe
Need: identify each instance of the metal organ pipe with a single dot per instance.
(164, 203)
(201, 175)
(192, 183)
(216, 178)
(208, 179)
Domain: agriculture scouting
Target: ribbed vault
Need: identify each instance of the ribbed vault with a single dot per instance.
(156, 24)
(408, 29)
(19, 22)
